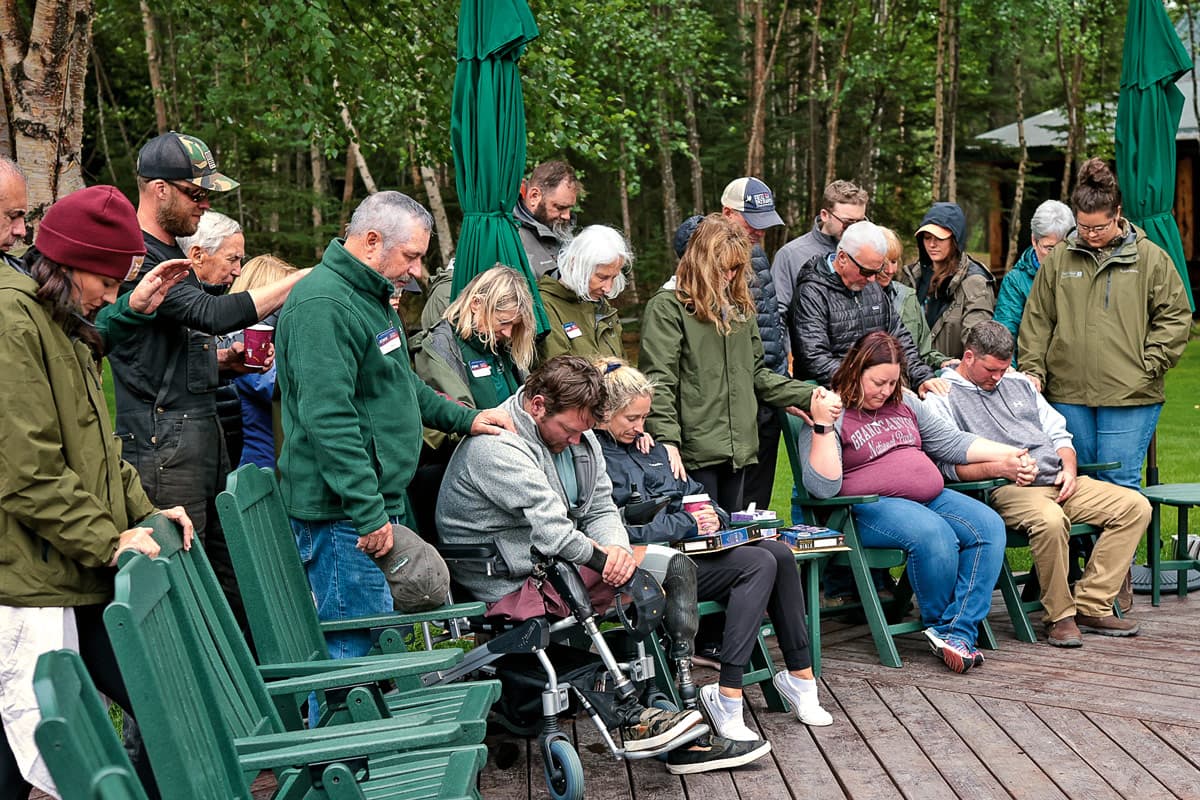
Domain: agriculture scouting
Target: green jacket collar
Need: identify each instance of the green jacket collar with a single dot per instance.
(355, 272)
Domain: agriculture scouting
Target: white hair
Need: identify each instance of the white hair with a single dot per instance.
(394, 215)
(1052, 218)
(211, 233)
(594, 246)
(10, 167)
(862, 235)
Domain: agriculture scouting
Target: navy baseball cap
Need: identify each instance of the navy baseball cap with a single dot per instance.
(753, 198)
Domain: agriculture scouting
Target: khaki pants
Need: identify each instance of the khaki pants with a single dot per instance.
(1121, 513)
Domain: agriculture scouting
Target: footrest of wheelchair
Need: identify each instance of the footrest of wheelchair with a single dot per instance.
(687, 737)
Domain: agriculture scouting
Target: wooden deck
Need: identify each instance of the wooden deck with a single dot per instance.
(1117, 718)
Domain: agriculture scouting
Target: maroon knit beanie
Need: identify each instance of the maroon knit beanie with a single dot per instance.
(94, 230)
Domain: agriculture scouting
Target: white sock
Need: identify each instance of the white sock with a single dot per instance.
(730, 705)
(802, 685)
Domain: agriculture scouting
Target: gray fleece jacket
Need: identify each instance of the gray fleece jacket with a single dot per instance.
(504, 490)
(1013, 413)
(940, 440)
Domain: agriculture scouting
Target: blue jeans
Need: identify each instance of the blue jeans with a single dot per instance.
(344, 580)
(1112, 433)
(955, 548)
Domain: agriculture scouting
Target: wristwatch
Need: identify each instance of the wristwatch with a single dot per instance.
(819, 428)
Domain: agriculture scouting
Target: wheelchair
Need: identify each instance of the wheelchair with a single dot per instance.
(549, 667)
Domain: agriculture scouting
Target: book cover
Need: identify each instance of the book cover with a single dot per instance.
(722, 540)
(811, 537)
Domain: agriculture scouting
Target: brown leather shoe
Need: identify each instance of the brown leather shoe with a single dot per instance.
(1107, 626)
(1064, 633)
(1125, 593)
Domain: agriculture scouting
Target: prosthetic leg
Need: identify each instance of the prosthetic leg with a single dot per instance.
(681, 621)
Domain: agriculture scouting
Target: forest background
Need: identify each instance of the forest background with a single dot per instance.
(658, 103)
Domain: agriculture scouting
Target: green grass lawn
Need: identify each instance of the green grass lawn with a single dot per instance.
(1178, 449)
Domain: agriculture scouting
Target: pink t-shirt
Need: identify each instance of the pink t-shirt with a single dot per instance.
(881, 454)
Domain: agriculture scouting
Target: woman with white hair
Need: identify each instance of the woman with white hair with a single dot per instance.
(1051, 223)
(591, 271)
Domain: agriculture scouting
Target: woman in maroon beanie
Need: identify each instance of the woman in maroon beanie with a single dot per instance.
(68, 503)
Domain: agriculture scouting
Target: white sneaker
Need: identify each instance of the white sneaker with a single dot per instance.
(806, 704)
(724, 723)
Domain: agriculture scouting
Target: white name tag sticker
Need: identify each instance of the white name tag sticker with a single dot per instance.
(572, 330)
(388, 341)
(480, 368)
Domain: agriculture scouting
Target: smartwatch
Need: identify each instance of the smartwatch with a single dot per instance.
(819, 428)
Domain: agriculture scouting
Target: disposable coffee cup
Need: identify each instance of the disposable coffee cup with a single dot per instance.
(696, 502)
(257, 339)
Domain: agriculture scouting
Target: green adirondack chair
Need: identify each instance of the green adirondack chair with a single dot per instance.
(283, 619)
(210, 725)
(837, 513)
(76, 737)
(192, 577)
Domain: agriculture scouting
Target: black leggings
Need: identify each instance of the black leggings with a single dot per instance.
(724, 484)
(750, 580)
(101, 663)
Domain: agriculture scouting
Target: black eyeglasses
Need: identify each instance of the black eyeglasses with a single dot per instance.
(866, 272)
(193, 193)
(1086, 230)
(846, 223)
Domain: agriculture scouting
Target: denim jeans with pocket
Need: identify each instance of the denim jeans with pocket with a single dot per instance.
(955, 548)
(1112, 433)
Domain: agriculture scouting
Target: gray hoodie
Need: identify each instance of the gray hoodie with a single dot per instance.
(1013, 413)
(505, 490)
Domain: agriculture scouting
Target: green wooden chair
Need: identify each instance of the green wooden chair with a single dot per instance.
(76, 737)
(837, 513)
(209, 732)
(192, 578)
(283, 618)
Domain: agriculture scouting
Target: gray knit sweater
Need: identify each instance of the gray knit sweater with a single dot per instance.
(504, 490)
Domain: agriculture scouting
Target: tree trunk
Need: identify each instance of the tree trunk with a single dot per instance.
(670, 201)
(348, 186)
(45, 70)
(764, 64)
(835, 102)
(630, 296)
(693, 130)
(6, 140)
(1014, 220)
(815, 85)
(359, 160)
(939, 101)
(952, 110)
(150, 29)
(438, 209)
(317, 167)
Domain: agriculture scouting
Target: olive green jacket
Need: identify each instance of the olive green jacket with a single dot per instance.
(972, 299)
(65, 493)
(1101, 328)
(904, 300)
(598, 324)
(708, 386)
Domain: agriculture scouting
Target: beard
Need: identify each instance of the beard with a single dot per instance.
(562, 229)
(175, 217)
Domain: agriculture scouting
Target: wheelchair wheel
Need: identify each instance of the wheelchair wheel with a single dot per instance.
(658, 699)
(564, 771)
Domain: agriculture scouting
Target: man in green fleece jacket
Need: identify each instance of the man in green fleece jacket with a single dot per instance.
(353, 410)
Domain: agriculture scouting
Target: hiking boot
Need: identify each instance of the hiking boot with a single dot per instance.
(714, 752)
(1064, 633)
(726, 720)
(1125, 593)
(806, 704)
(655, 727)
(954, 653)
(1107, 626)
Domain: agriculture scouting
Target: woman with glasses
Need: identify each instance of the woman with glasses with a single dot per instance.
(955, 290)
(1106, 318)
(1051, 223)
(591, 272)
(701, 347)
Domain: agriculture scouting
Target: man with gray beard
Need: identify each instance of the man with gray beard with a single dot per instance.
(544, 213)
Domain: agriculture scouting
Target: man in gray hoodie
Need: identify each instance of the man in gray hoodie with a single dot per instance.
(1046, 494)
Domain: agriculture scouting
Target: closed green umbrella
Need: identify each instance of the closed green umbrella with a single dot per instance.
(1147, 120)
(487, 133)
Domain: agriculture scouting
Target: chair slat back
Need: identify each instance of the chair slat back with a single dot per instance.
(278, 600)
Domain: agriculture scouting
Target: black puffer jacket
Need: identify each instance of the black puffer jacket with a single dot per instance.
(762, 287)
(830, 318)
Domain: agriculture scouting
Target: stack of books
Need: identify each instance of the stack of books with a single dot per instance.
(803, 538)
(723, 540)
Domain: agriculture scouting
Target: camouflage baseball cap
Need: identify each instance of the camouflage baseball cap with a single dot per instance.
(178, 157)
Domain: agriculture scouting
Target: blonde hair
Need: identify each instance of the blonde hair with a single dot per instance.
(499, 290)
(622, 383)
(260, 271)
(719, 244)
(895, 248)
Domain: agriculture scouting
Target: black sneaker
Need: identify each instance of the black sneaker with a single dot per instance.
(714, 752)
(655, 727)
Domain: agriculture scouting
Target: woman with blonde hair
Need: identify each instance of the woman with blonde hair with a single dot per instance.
(904, 300)
(256, 390)
(481, 350)
(702, 348)
(591, 272)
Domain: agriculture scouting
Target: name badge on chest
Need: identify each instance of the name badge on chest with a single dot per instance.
(572, 330)
(480, 368)
(388, 341)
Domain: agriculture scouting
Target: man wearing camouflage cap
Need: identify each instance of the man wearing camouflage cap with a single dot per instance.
(166, 377)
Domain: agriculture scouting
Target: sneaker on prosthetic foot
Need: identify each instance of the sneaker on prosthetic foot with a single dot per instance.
(725, 714)
(655, 727)
(801, 693)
